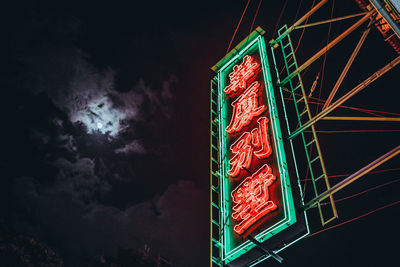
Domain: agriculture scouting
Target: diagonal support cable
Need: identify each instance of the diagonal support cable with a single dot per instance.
(348, 65)
(347, 96)
(297, 23)
(382, 159)
(333, 118)
(328, 47)
(329, 21)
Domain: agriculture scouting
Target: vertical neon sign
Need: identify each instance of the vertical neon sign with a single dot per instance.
(255, 193)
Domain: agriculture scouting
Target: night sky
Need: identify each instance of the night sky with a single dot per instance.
(105, 130)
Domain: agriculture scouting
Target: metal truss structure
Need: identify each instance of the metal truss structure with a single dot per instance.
(295, 100)
(291, 87)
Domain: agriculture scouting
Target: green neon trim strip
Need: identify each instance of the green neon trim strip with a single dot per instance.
(298, 180)
(283, 224)
(257, 32)
(255, 42)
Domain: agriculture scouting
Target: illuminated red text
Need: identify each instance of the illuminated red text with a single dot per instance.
(245, 108)
(248, 144)
(241, 74)
(251, 199)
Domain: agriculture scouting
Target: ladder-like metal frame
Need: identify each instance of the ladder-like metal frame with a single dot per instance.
(293, 80)
(320, 181)
(299, 100)
(215, 214)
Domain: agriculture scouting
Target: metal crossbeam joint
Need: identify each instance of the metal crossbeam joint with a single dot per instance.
(265, 250)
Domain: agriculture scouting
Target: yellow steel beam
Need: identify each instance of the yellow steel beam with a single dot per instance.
(395, 151)
(346, 97)
(297, 23)
(347, 67)
(328, 46)
(333, 118)
(329, 21)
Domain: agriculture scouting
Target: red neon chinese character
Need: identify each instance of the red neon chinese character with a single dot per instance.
(245, 108)
(252, 199)
(260, 139)
(243, 152)
(241, 74)
(256, 142)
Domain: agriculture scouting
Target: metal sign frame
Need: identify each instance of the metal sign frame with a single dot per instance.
(220, 183)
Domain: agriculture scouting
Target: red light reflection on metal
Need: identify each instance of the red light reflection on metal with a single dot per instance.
(245, 108)
(241, 74)
(251, 199)
(244, 147)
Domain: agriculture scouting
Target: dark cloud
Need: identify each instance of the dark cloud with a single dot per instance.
(134, 147)
(89, 98)
(78, 178)
(86, 168)
(80, 230)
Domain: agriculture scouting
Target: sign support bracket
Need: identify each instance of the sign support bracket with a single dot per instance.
(316, 166)
(265, 250)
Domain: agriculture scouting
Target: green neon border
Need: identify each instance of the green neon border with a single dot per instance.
(259, 260)
(288, 204)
